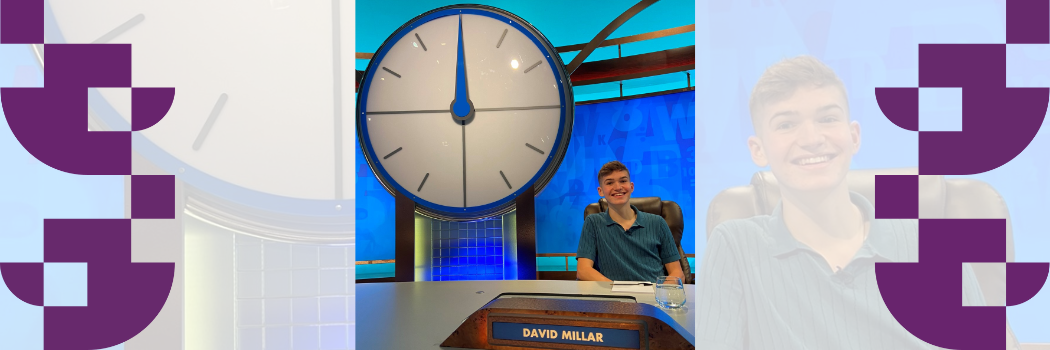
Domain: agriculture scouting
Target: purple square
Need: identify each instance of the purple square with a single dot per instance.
(896, 196)
(1028, 22)
(152, 196)
(22, 22)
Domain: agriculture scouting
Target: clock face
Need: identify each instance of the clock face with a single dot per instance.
(464, 108)
(262, 102)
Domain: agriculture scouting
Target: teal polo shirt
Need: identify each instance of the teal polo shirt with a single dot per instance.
(760, 288)
(636, 254)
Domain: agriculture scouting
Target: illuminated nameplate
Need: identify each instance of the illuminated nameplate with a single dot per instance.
(614, 338)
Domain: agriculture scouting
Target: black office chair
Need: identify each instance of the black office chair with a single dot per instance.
(671, 213)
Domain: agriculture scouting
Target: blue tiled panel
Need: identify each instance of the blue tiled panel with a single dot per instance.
(467, 250)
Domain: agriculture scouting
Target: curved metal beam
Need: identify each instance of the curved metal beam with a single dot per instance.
(609, 29)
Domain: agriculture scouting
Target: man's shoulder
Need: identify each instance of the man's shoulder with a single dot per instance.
(597, 218)
(743, 229)
(651, 219)
(896, 238)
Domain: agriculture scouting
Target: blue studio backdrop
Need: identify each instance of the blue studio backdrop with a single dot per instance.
(653, 136)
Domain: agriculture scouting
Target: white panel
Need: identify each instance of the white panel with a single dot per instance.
(492, 79)
(430, 143)
(349, 100)
(496, 141)
(428, 78)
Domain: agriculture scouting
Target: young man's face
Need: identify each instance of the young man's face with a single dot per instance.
(806, 139)
(616, 187)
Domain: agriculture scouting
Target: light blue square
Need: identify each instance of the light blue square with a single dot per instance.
(940, 109)
(305, 338)
(65, 284)
(334, 337)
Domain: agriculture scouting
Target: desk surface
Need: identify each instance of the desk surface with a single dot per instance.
(420, 315)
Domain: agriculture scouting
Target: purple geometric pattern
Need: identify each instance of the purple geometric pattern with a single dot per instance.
(1024, 28)
(149, 105)
(900, 105)
(152, 196)
(925, 297)
(21, 21)
(903, 202)
(30, 281)
(998, 123)
(50, 122)
(1019, 287)
(123, 297)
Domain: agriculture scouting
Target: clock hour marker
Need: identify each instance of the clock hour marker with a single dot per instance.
(120, 29)
(391, 72)
(398, 150)
(505, 179)
(501, 38)
(534, 65)
(424, 181)
(210, 122)
(420, 43)
(527, 145)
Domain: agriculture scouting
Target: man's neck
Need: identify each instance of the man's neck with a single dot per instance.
(622, 214)
(822, 217)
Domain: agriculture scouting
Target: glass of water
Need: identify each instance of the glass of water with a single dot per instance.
(669, 291)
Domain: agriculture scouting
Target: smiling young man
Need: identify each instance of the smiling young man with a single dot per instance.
(623, 243)
(804, 276)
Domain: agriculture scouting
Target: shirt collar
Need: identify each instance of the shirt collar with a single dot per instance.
(878, 244)
(608, 221)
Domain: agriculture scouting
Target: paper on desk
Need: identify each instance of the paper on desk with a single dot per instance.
(632, 287)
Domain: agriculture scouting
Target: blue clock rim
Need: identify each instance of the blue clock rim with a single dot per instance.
(487, 11)
(210, 184)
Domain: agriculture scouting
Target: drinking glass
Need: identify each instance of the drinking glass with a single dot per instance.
(669, 291)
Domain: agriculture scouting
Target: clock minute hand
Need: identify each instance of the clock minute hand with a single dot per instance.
(462, 108)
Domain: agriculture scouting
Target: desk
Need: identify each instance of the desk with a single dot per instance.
(420, 315)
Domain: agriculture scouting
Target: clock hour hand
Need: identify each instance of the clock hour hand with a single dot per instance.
(498, 109)
(462, 108)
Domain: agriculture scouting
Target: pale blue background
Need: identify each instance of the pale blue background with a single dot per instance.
(869, 44)
(31, 191)
(65, 284)
(940, 109)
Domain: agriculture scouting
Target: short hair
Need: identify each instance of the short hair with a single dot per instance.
(782, 79)
(609, 168)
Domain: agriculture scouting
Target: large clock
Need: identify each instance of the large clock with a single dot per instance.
(463, 109)
(257, 127)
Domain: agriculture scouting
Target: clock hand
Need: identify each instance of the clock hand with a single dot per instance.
(409, 112)
(515, 108)
(475, 110)
(462, 108)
